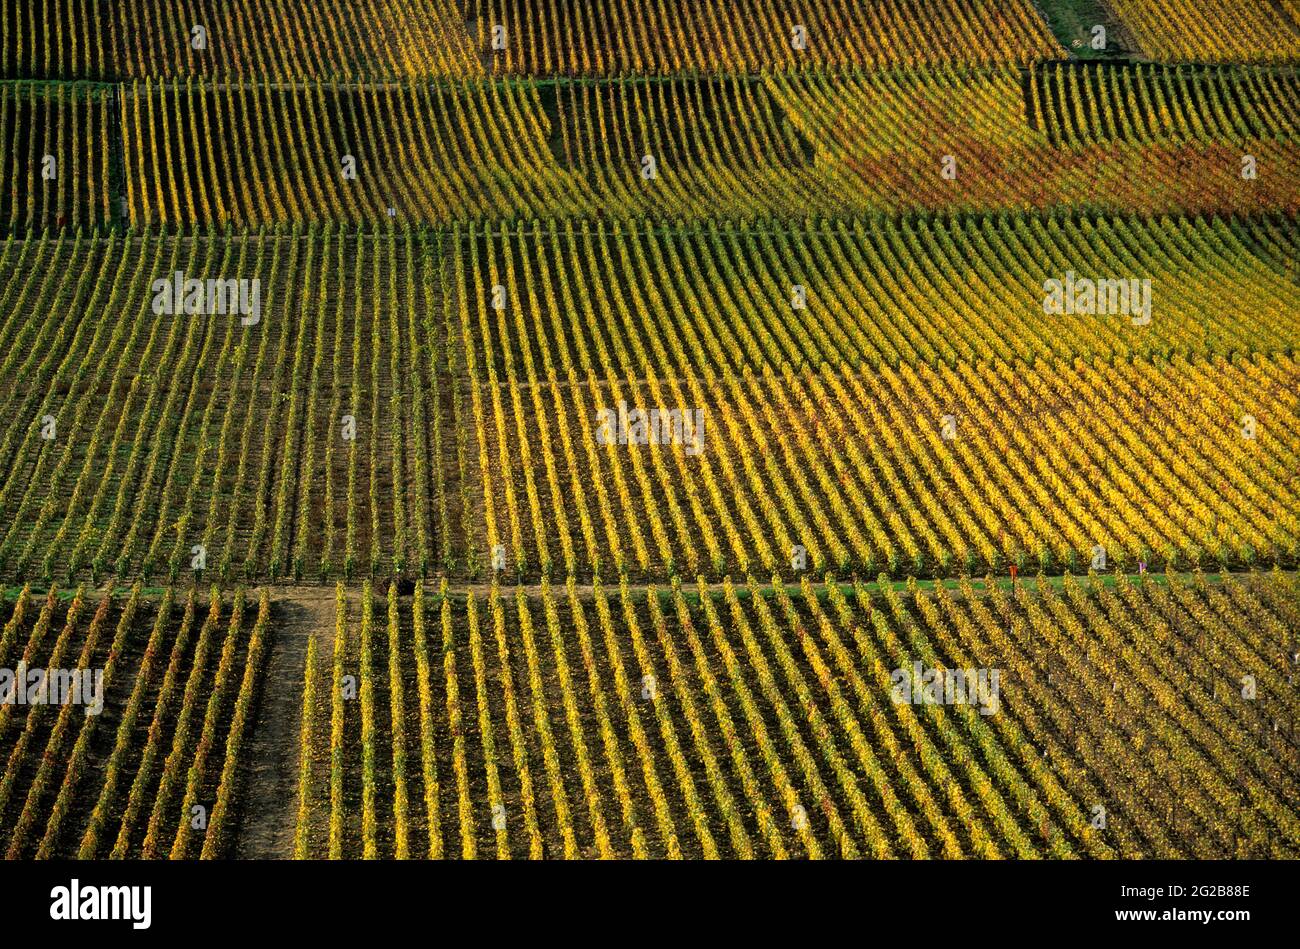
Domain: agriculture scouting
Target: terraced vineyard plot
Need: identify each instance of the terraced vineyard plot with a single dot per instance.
(321, 440)
(570, 37)
(1214, 30)
(1146, 103)
(921, 472)
(56, 157)
(264, 39)
(300, 437)
(701, 301)
(321, 153)
(386, 39)
(175, 681)
(64, 40)
(617, 404)
(714, 722)
(870, 443)
(786, 146)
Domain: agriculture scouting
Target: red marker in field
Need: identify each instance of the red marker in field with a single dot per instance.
(1014, 568)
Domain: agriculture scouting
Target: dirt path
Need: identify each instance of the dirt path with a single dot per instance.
(269, 811)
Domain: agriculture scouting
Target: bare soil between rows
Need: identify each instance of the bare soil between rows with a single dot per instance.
(269, 785)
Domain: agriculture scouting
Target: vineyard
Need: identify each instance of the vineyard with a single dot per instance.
(738, 722)
(687, 720)
(390, 39)
(180, 681)
(57, 162)
(782, 146)
(331, 439)
(492, 429)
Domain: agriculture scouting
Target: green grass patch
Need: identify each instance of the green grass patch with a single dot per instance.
(1071, 22)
